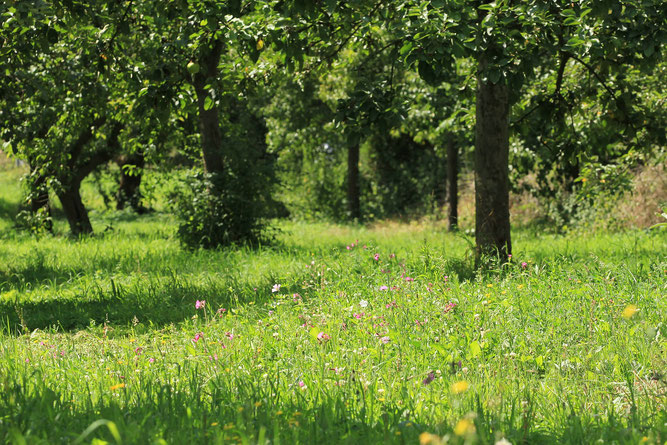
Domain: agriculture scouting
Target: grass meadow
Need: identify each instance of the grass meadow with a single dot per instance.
(331, 334)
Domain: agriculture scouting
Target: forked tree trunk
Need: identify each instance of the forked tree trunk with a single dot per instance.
(76, 213)
(353, 200)
(129, 190)
(492, 225)
(453, 184)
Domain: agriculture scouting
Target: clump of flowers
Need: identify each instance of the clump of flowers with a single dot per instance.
(376, 257)
(449, 307)
(323, 337)
(198, 336)
(199, 304)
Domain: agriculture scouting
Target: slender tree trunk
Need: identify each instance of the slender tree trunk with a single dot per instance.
(353, 181)
(129, 193)
(453, 184)
(209, 125)
(492, 226)
(76, 213)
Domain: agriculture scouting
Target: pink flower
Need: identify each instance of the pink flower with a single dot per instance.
(385, 339)
(229, 335)
(348, 247)
(301, 384)
(198, 336)
(393, 255)
(275, 288)
(376, 257)
(384, 288)
(27, 360)
(524, 265)
(359, 315)
(200, 304)
(449, 307)
(409, 279)
(221, 311)
(138, 350)
(151, 360)
(322, 337)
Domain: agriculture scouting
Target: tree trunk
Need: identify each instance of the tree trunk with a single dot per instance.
(76, 213)
(492, 226)
(453, 184)
(209, 125)
(39, 200)
(129, 193)
(353, 181)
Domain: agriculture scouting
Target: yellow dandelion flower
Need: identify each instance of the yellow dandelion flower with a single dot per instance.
(118, 386)
(630, 311)
(464, 427)
(428, 438)
(460, 387)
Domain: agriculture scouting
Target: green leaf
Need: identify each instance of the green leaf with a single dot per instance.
(208, 103)
(475, 349)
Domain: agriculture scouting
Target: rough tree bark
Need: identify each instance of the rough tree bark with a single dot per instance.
(492, 225)
(353, 200)
(75, 211)
(129, 189)
(453, 184)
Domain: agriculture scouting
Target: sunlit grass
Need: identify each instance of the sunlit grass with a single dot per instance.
(332, 334)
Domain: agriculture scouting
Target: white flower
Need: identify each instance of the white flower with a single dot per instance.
(363, 303)
(275, 288)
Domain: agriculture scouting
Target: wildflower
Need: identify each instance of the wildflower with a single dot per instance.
(198, 336)
(629, 311)
(464, 427)
(200, 304)
(428, 438)
(524, 265)
(275, 288)
(118, 386)
(385, 339)
(409, 279)
(138, 350)
(363, 303)
(359, 315)
(393, 255)
(449, 307)
(229, 335)
(27, 360)
(296, 298)
(460, 387)
(151, 360)
(348, 247)
(301, 384)
(429, 378)
(384, 288)
(322, 337)
(376, 257)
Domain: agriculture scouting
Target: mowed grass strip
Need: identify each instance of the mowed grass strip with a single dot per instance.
(334, 334)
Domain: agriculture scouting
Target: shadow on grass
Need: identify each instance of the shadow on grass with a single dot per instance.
(151, 302)
(8, 210)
